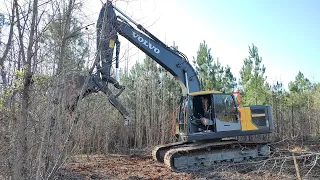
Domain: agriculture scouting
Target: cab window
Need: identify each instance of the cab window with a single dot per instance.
(225, 107)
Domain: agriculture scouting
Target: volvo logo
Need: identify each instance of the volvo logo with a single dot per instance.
(145, 42)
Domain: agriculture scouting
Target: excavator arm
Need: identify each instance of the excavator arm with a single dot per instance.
(169, 58)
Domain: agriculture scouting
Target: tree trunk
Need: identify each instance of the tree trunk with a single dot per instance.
(20, 170)
(6, 51)
(292, 121)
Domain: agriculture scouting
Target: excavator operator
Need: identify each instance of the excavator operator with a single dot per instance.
(205, 106)
(106, 41)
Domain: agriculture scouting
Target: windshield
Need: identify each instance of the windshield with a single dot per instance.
(224, 102)
(225, 107)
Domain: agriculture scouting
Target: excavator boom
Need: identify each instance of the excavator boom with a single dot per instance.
(170, 59)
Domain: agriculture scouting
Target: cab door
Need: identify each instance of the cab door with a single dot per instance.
(226, 113)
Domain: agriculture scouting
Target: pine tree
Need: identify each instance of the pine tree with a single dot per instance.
(252, 80)
(301, 84)
(212, 75)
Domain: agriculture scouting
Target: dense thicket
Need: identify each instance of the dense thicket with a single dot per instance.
(46, 42)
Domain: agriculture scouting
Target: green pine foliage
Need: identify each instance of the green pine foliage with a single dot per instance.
(252, 80)
(213, 75)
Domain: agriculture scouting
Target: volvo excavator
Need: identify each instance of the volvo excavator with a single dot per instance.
(206, 124)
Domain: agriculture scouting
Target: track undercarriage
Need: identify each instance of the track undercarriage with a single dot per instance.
(186, 156)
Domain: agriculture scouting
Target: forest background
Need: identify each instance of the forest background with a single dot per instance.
(41, 48)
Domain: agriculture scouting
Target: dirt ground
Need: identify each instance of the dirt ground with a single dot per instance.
(143, 167)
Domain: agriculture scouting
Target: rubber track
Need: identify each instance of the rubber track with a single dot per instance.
(173, 153)
(157, 149)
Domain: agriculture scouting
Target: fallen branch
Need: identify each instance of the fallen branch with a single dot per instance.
(296, 166)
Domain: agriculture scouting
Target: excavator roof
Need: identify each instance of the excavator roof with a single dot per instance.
(204, 92)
